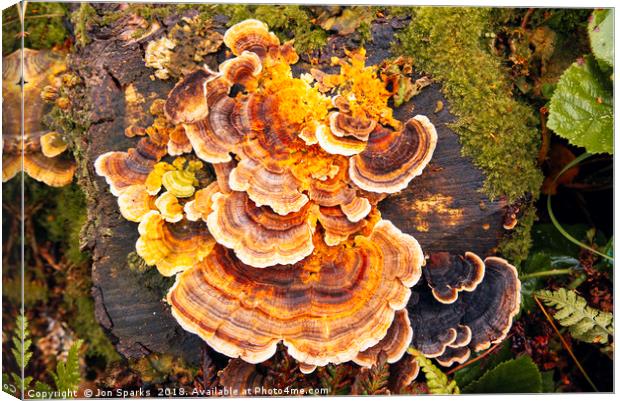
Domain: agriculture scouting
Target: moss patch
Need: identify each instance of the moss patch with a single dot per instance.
(515, 247)
(64, 222)
(44, 24)
(288, 22)
(497, 131)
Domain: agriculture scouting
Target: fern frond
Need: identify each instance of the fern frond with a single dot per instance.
(67, 376)
(584, 322)
(436, 380)
(21, 343)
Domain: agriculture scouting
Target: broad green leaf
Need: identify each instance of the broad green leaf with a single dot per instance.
(548, 385)
(474, 371)
(581, 108)
(519, 375)
(601, 30)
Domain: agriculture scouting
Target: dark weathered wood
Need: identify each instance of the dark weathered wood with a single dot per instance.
(443, 208)
(135, 316)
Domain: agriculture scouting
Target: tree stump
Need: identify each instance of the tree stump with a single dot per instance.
(443, 208)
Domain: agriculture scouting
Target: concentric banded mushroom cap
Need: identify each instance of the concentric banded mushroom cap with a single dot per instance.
(55, 172)
(200, 207)
(394, 344)
(169, 207)
(122, 169)
(433, 323)
(357, 209)
(336, 145)
(179, 183)
(179, 142)
(134, 202)
(242, 69)
(327, 308)
(448, 274)
(343, 125)
(42, 159)
(172, 247)
(279, 191)
(393, 158)
(250, 35)
(338, 227)
(187, 101)
(259, 236)
(213, 138)
(273, 139)
(335, 190)
(501, 291)
(454, 355)
(475, 320)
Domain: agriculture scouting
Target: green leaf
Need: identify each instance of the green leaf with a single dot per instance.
(519, 375)
(584, 322)
(436, 380)
(21, 343)
(601, 30)
(581, 108)
(548, 385)
(67, 376)
(474, 371)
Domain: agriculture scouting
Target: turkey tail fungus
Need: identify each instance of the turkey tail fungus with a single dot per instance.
(287, 244)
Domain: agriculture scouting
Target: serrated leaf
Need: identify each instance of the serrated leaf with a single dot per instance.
(584, 322)
(601, 30)
(519, 375)
(581, 108)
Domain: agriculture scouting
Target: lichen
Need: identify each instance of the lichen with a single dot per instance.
(184, 48)
(498, 132)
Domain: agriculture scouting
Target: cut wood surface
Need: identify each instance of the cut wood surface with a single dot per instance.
(443, 208)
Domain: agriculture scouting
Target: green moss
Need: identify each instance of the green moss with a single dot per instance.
(497, 131)
(515, 247)
(149, 276)
(35, 291)
(288, 22)
(44, 24)
(86, 326)
(82, 18)
(64, 222)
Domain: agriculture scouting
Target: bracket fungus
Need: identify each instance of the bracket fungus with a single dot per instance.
(448, 274)
(44, 157)
(287, 243)
(326, 309)
(449, 332)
